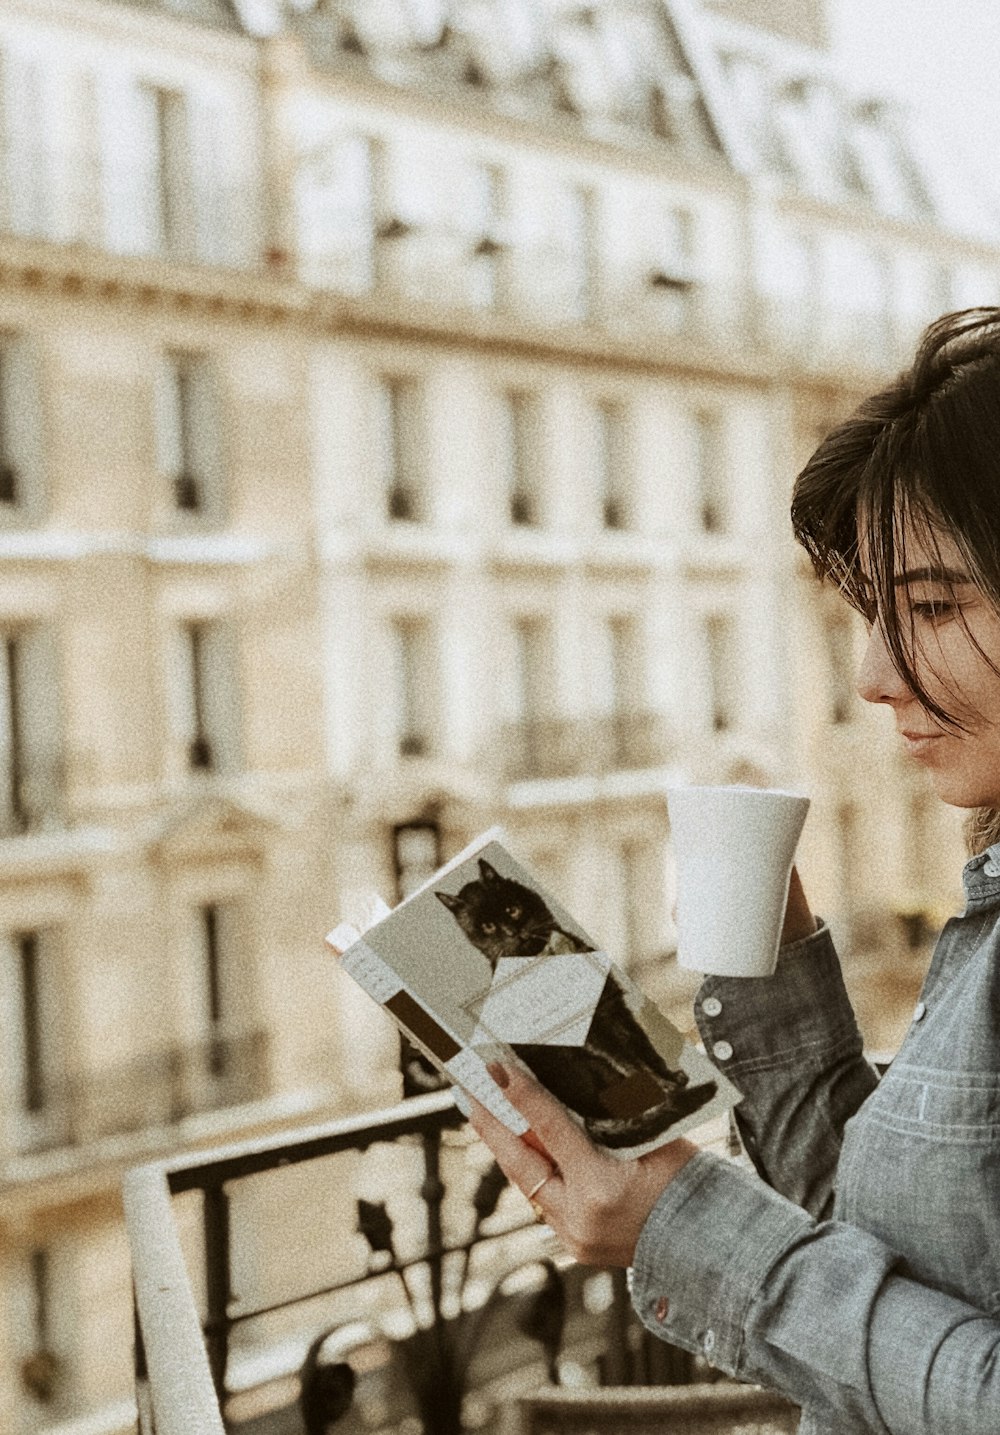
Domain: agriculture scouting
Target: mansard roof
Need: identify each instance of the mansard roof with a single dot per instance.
(615, 68)
(218, 14)
(804, 126)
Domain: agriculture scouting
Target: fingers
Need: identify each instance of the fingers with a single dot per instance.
(523, 1164)
(562, 1138)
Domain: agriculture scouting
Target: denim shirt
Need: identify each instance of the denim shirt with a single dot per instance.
(861, 1276)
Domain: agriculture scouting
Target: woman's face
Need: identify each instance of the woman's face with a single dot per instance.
(947, 612)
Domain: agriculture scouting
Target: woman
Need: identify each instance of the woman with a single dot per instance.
(861, 1276)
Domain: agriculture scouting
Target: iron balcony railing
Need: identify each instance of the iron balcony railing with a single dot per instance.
(376, 1271)
(722, 1409)
(158, 1091)
(583, 746)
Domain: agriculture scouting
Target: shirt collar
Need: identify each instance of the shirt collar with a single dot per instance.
(981, 876)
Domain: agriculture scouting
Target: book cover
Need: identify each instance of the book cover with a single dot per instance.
(482, 964)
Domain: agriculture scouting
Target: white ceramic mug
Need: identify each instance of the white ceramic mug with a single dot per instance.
(734, 848)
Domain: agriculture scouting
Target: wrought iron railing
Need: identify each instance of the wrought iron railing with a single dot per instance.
(721, 1409)
(373, 1271)
(583, 746)
(163, 1088)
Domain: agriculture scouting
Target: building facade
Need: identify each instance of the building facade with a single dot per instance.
(398, 422)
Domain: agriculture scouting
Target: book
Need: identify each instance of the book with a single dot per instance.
(481, 964)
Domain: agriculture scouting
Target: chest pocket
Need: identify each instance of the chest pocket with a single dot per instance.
(920, 1169)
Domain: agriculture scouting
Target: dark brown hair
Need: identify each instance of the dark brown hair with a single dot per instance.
(919, 458)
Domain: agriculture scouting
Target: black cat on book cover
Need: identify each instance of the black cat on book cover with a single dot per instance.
(482, 962)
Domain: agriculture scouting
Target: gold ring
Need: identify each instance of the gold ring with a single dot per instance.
(538, 1213)
(530, 1195)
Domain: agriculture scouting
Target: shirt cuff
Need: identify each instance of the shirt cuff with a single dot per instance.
(757, 1023)
(706, 1248)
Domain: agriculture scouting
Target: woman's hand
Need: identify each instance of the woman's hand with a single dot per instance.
(596, 1203)
(799, 920)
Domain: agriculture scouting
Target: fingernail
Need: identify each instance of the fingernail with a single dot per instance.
(498, 1074)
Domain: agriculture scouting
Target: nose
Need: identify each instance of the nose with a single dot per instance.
(879, 681)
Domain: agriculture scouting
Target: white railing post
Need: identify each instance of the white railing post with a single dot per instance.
(182, 1392)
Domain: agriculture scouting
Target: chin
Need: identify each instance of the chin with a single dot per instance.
(957, 791)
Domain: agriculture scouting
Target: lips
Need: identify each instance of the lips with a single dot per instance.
(917, 744)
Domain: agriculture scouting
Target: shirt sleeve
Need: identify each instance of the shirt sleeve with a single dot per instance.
(791, 1044)
(821, 1311)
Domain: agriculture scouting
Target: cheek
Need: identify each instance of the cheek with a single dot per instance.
(951, 668)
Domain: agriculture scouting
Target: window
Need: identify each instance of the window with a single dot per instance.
(627, 736)
(847, 835)
(723, 685)
(188, 436)
(838, 630)
(416, 851)
(616, 678)
(220, 1063)
(399, 431)
(31, 757)
(710, 471)
(531, 668)
(627, 895)
(611, 459)
(37, 1310)
(489, 246)
(535, 740)
(660, 114)
(576, 229)
(205, 692)
(170, 196)
(414, 686)
(336, 187)
(517, 446)
(20, 432)
(671, 276)
(27, 192)
(675, 243)
(34, 1045)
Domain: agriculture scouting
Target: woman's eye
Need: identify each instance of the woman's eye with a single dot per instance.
(935, 611)
(489, 928)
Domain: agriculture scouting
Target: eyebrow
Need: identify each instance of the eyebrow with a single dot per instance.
(930, 574)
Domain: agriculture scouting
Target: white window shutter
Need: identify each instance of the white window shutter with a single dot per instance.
(220, 694)
(205, 434)
(169, 424)
(181, 689)
(236, 976)
(27, 152)
(8, 725)
(43, 1010)
(41, 727)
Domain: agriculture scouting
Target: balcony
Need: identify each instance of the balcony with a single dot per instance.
(379, 1272)
(588, 746)
(156, 1092)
